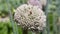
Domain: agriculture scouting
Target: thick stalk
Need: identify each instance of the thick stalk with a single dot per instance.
(25, 31)
(35, 32)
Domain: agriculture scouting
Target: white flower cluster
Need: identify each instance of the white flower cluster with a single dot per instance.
(31, 17)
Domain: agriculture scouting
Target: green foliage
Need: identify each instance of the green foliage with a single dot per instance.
(13, 5)
(3, 28)
(6, 28)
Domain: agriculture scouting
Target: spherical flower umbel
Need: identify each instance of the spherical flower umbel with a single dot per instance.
(30, 17)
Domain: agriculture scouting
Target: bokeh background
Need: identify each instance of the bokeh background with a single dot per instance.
(6, 26)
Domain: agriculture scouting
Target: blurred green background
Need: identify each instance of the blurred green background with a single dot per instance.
(6, 28)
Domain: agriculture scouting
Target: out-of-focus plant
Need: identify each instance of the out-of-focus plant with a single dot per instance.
(6, 28)
(13, 3)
